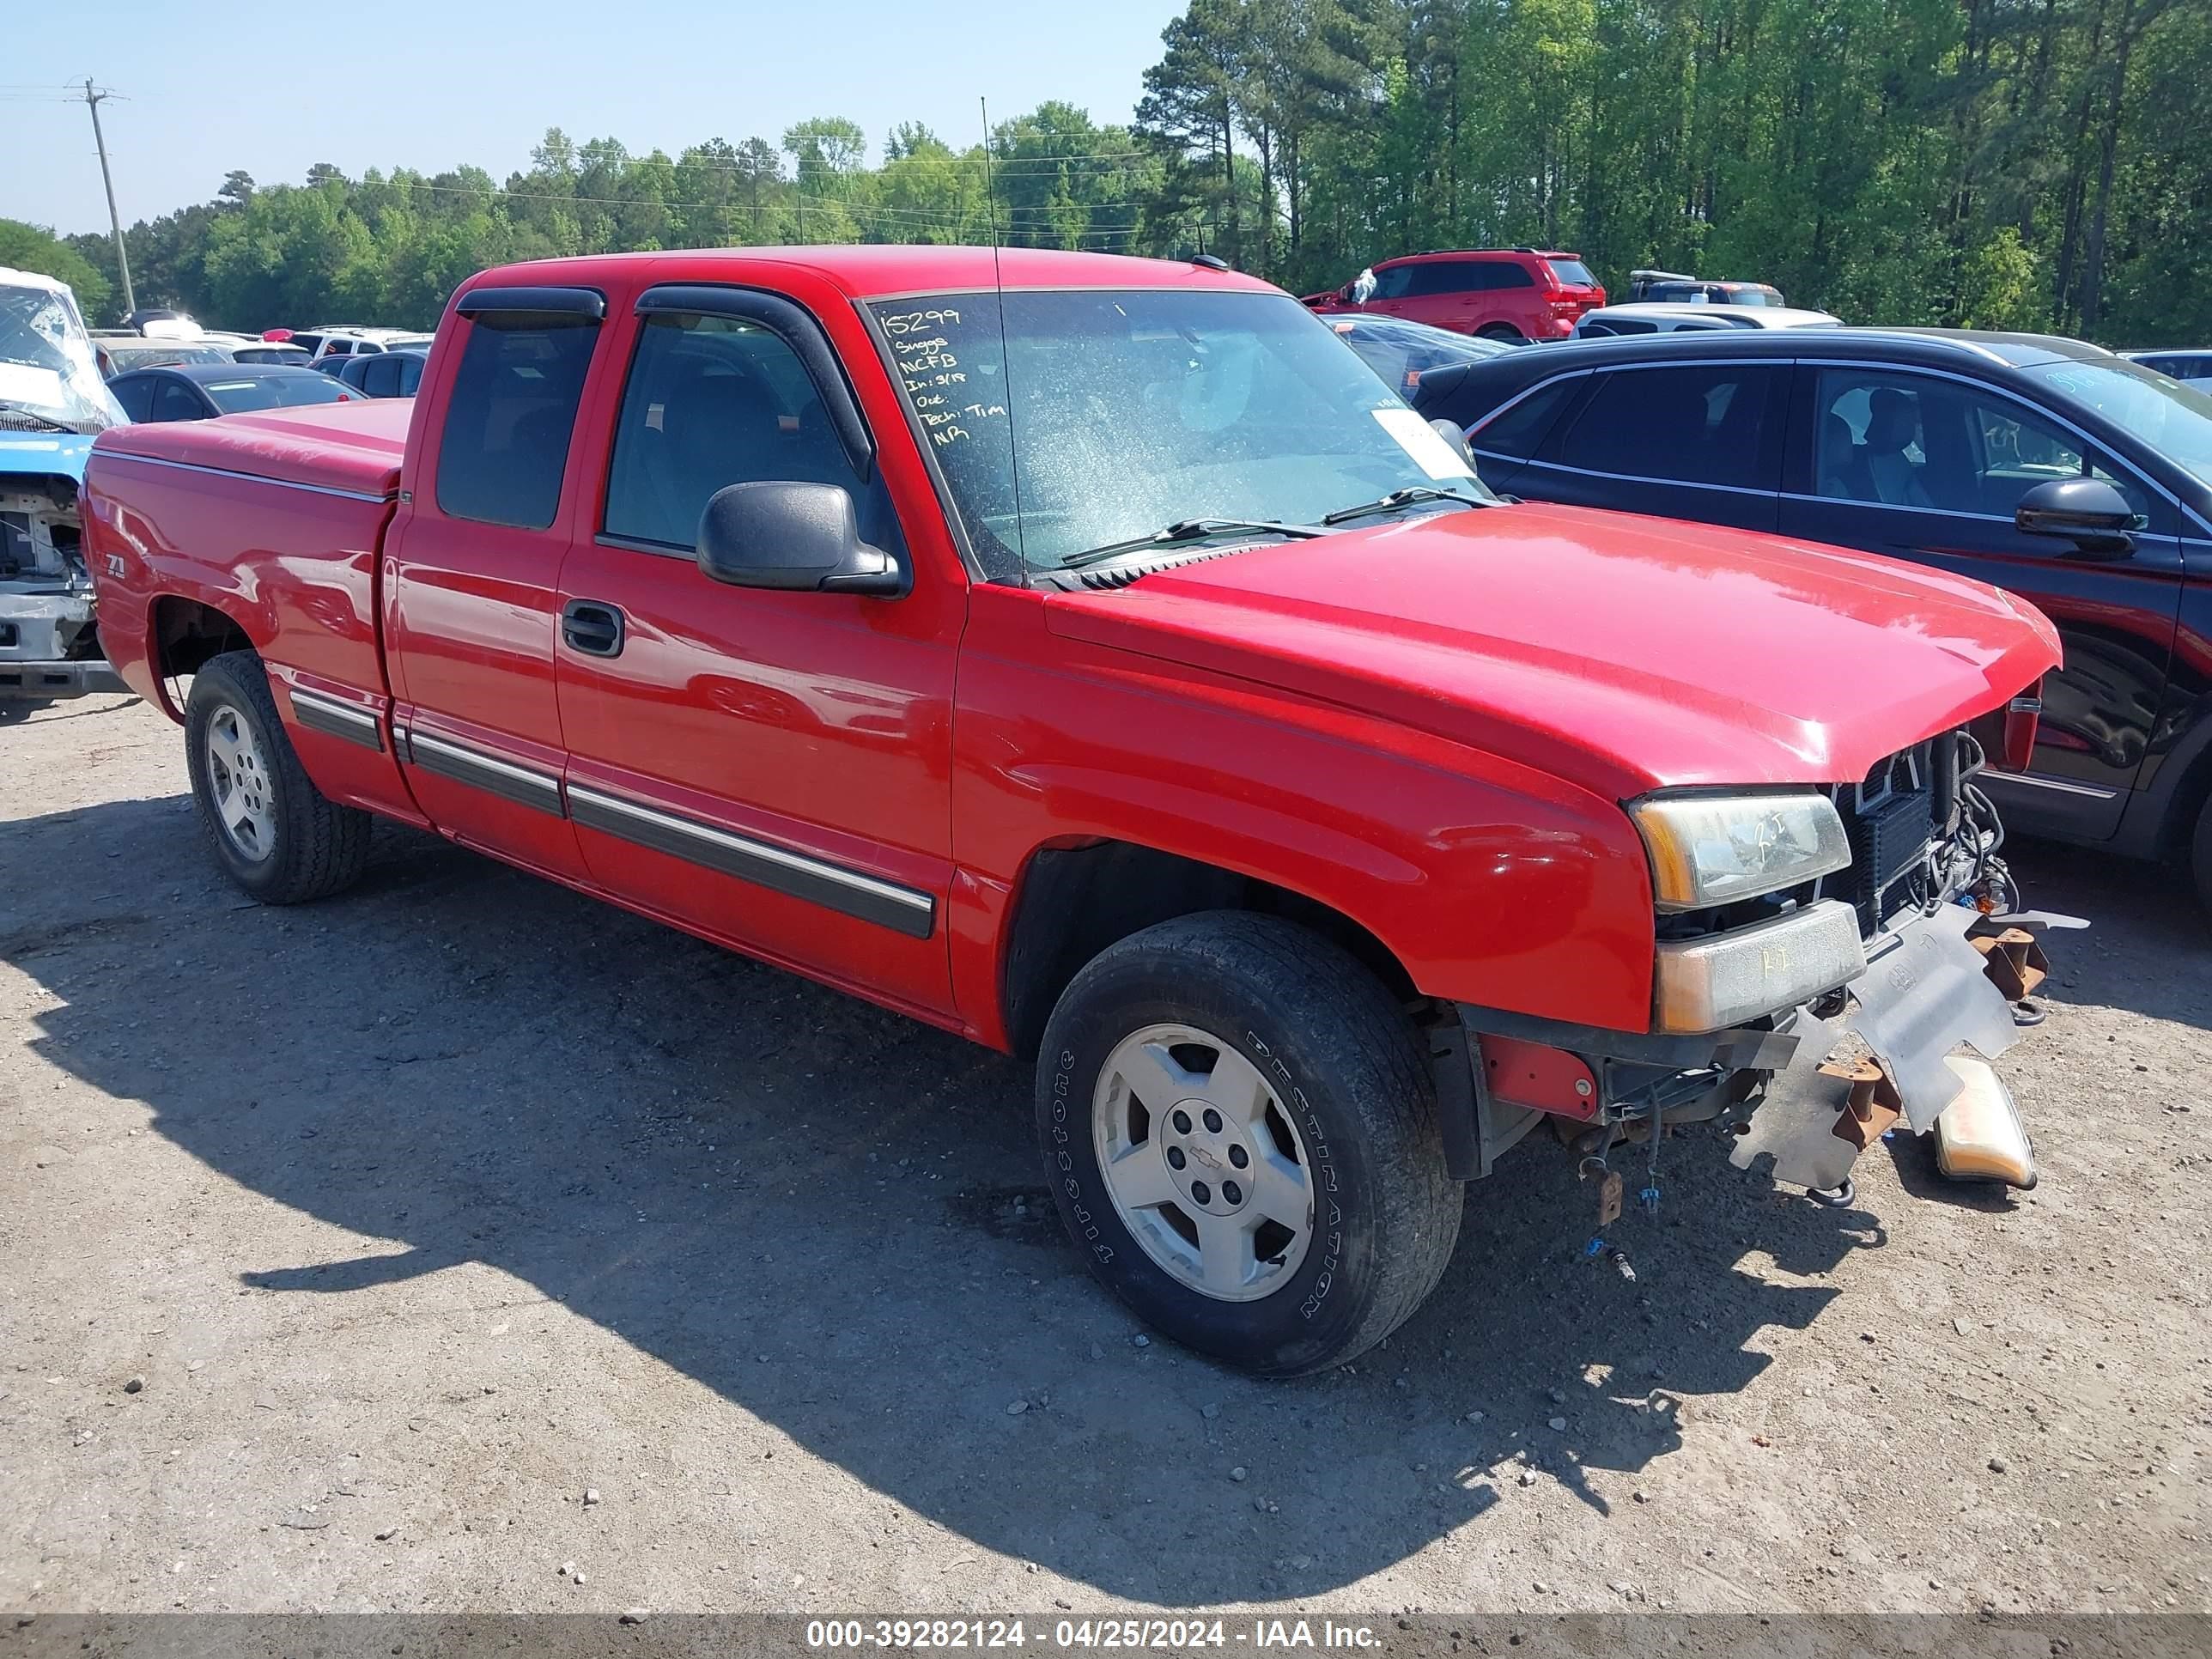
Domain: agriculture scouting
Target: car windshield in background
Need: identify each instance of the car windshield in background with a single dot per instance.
(272, 392)
(2169, 416)
(1571, 273)
(1401, 352)
(161, 354)
(1087, 418)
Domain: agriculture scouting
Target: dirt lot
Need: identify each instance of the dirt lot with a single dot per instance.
(397, 1252)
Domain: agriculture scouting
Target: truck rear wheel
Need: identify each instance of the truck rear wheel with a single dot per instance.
(1242, 1136)
(274, 833)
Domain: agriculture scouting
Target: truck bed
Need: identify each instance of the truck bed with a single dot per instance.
(352, 446)
(270, 523)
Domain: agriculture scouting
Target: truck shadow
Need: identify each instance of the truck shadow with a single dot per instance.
(832, 1217)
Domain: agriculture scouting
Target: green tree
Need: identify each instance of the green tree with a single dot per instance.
(33, 247)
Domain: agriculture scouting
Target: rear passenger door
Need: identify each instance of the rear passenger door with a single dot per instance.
(1699, 441)
(774, 768)
(472, 572)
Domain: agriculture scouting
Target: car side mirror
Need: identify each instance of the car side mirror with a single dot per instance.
(797, 538)
(1452, 434)
(2088, 511)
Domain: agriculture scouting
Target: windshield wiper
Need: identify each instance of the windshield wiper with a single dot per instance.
(1188, 530)
(1398, 498)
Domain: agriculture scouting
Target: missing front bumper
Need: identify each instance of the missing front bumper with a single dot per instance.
(1926, 992)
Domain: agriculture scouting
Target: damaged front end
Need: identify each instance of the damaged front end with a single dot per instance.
(52, 402)
(49, 640)
(1808, 1018)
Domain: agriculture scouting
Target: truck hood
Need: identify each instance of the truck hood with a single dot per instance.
(1623, 653)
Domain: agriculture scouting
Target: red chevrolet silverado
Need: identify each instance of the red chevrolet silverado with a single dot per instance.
(1090, 656)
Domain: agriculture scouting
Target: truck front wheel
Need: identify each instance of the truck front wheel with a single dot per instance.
(1241, 1134)
(275, 834)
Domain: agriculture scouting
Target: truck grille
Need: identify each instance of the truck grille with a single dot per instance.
(1890, 818)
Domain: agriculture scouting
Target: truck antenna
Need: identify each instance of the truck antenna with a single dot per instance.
(990, 186)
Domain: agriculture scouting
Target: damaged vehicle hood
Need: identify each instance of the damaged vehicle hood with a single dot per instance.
(1622, 652)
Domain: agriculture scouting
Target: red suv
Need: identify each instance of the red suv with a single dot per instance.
(1499, 293)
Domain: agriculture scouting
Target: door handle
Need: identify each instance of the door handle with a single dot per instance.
(593, 628)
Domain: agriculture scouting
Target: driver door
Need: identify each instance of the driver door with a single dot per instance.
(773, 768)
(1929, 467)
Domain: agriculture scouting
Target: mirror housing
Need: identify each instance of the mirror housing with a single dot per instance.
(1451, 433)
(2088, 511)
(793, 538)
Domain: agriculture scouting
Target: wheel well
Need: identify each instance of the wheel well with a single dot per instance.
(2189, 798)
(1074, 902)
(186, 633)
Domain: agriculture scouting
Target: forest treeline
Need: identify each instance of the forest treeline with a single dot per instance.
(1996, 163)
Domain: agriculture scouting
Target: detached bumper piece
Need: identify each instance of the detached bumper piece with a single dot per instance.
(1927, 990)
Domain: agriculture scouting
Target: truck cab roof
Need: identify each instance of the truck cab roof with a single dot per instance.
(883, 271)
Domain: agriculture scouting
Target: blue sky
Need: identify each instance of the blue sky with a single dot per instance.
(209, 85)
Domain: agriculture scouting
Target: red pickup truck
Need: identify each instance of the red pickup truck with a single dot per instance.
(1090, 656)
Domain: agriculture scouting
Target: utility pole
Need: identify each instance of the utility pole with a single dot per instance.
(115, 220)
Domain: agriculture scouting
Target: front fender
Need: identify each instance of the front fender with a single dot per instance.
(1488, 882)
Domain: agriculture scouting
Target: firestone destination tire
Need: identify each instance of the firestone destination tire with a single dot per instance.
(1241, 1132)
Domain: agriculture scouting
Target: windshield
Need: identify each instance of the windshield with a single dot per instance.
(1096, 416)
(272, 391)
(2167, 416)
(161, 354)
(1401, 352)
(49, 375)
(1571, 273)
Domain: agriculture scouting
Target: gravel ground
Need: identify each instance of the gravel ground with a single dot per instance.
(460, 1243)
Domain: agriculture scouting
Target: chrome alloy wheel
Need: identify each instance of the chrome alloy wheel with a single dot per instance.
(244, 797)
(1205, 1168)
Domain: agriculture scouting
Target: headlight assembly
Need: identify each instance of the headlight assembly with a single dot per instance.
(1709, 849)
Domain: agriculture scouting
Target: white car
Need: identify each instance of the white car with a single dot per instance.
(331, 342)
(1662, 317)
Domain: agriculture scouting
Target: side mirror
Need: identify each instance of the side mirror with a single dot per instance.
(2088, 511)
(1450, 432)
(798, 538)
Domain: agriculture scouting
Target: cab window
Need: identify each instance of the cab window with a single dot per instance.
(505, 443)
(712, 401)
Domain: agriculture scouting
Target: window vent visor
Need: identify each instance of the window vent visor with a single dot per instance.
(531, 308)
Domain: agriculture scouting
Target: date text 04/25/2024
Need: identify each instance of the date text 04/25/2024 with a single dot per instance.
(1140, 1634)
